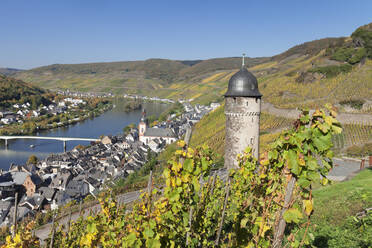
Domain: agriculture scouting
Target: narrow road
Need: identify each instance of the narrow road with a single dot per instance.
(344, 118)
(43, 232)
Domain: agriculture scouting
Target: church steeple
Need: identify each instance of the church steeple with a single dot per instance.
(142, 125)
(143, 118)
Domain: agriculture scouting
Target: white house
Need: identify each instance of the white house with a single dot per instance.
(148, 134)
(7, 120)
(35, 113)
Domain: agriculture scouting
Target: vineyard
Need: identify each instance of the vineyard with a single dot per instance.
(253, 207)
(353, 134)
(270, 122)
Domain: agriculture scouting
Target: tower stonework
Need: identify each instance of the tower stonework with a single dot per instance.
(242, 111)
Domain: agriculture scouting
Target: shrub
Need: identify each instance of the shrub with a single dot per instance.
(356, 103)
(354, 151)
(358, 56)
(343, 54)
(363, 36)
(332, 70)
(363, 150)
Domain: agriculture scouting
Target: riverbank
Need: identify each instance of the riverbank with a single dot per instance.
(92, 108)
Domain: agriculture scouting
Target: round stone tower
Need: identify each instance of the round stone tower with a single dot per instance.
(242, 110)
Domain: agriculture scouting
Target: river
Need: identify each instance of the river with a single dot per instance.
(109, 123)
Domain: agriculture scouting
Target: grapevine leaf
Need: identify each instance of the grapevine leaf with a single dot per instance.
(292, 162)
(313, 176)
(317, 113)
(174, 196)
(308, 205)
(292, 215)
(324, 127)
(312, 163)
(305, 119)
(323, 142)
(205, 164)
(337, 129)
(92, 228)
(243, 222)
(273, 154)
(153, 243)
(187, 165)
(148, 233)
(330, 120)
(304, 183)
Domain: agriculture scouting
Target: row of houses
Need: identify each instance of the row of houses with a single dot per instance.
(148, 98)
(61, 178)
(20, 112)
(84, 94)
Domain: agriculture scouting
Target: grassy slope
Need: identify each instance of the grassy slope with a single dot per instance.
(335, 206)
(335, 202)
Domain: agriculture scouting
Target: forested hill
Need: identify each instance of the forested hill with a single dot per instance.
(15, 90)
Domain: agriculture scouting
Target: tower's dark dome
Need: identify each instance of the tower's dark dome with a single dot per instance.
(243, 83)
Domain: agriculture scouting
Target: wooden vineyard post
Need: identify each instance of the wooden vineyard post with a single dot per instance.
(69, 221)
(223, 213)
(362, 164)
(182, 160)
(52, 237)
(80, 207)
(279, 232)
(15, 214)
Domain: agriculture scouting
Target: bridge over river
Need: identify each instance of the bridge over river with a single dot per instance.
(64, 139)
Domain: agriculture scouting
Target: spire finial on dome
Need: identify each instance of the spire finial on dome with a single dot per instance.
(243, 60)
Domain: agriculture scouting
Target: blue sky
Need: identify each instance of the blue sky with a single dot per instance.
(35, 32)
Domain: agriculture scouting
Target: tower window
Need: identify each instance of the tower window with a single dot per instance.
(247, 104)
(234, 99)
(252, 139)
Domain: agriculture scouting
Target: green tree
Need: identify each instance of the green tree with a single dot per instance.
(32, 159)
(127, 129)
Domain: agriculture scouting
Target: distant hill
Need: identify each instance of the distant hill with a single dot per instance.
(155, 77)
(310, 74)
(8, 71)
